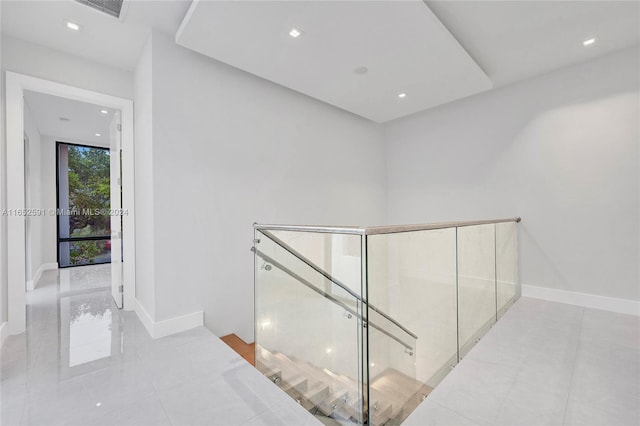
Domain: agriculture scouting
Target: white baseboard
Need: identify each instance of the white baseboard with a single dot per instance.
(144, 317)
(622, 306)
(4, 332)
(170, 326)
(31, 284)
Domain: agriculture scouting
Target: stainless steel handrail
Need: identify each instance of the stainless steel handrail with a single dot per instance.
(312, 228)
(335, 300)
(392, 229)
(376, 230)
(334, 280)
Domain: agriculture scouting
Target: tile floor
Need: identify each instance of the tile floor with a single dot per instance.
(544, 364)
(84, 362)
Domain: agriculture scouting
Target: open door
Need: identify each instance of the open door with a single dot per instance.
(117, 288)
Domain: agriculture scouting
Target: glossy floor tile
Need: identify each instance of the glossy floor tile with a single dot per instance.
(84, 362)
(548, 364)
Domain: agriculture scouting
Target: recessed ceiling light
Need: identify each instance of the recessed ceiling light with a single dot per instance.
(98, 134)
(295, 33)
(402, 95)
(104, 111)
(589, 42)
(72, 25)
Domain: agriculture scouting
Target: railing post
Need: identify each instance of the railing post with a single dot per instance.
(364, 293)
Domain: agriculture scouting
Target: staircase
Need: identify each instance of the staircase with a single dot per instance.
(335, 398)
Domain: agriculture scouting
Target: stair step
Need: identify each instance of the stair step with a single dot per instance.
(384, 401)
(326, 393)
(380, 414)
(310, 372)
(314, 396)
(350, 411)
(274, 375)
(242, 348)
(329, 405)
(346, 381)
(296, 387)
(404, 392)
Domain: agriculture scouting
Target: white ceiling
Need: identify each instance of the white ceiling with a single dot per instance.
(515, 40)
(406, 46)
(85, 120)
(402, 43)
(103, 38)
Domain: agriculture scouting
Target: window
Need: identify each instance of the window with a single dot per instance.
(83, 201)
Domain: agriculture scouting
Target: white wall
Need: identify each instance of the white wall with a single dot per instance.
(144, 184)
(33, 181)
(230, 149)
(560, 150)
(3, 194)
(38, 61)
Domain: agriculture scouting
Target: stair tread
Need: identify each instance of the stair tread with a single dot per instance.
(317, 388)
(381, 415)
(298, 383)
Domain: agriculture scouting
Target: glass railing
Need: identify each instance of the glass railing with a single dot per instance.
(359, 324)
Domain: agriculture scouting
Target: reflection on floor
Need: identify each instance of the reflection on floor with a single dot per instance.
(84, 362)
(548, 364)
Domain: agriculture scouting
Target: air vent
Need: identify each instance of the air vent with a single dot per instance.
(110, 7)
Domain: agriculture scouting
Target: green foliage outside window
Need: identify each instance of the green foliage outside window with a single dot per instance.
(89, 193)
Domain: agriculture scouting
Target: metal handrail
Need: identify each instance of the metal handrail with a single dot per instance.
(335, 300)
(376, 230)
(334, 280)
(312, 228)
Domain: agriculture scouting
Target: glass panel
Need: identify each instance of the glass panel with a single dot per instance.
(336, 254)
(476, 283)
(86, 252)
(506, 265)
(412, 278)
(307, 333)
(429, 296)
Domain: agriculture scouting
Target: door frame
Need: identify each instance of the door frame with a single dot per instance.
(13, 163)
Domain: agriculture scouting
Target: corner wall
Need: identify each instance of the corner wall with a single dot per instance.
(230, 149)
(560, 150)
(144, 186)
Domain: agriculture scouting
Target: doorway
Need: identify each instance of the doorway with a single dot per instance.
(123, 285)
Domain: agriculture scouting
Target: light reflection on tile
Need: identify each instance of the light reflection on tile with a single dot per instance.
(84, 362)
(89, 328)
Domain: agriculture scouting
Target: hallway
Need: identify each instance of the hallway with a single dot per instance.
(82, 361)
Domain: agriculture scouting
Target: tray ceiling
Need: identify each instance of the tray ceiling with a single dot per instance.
(356, 55)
